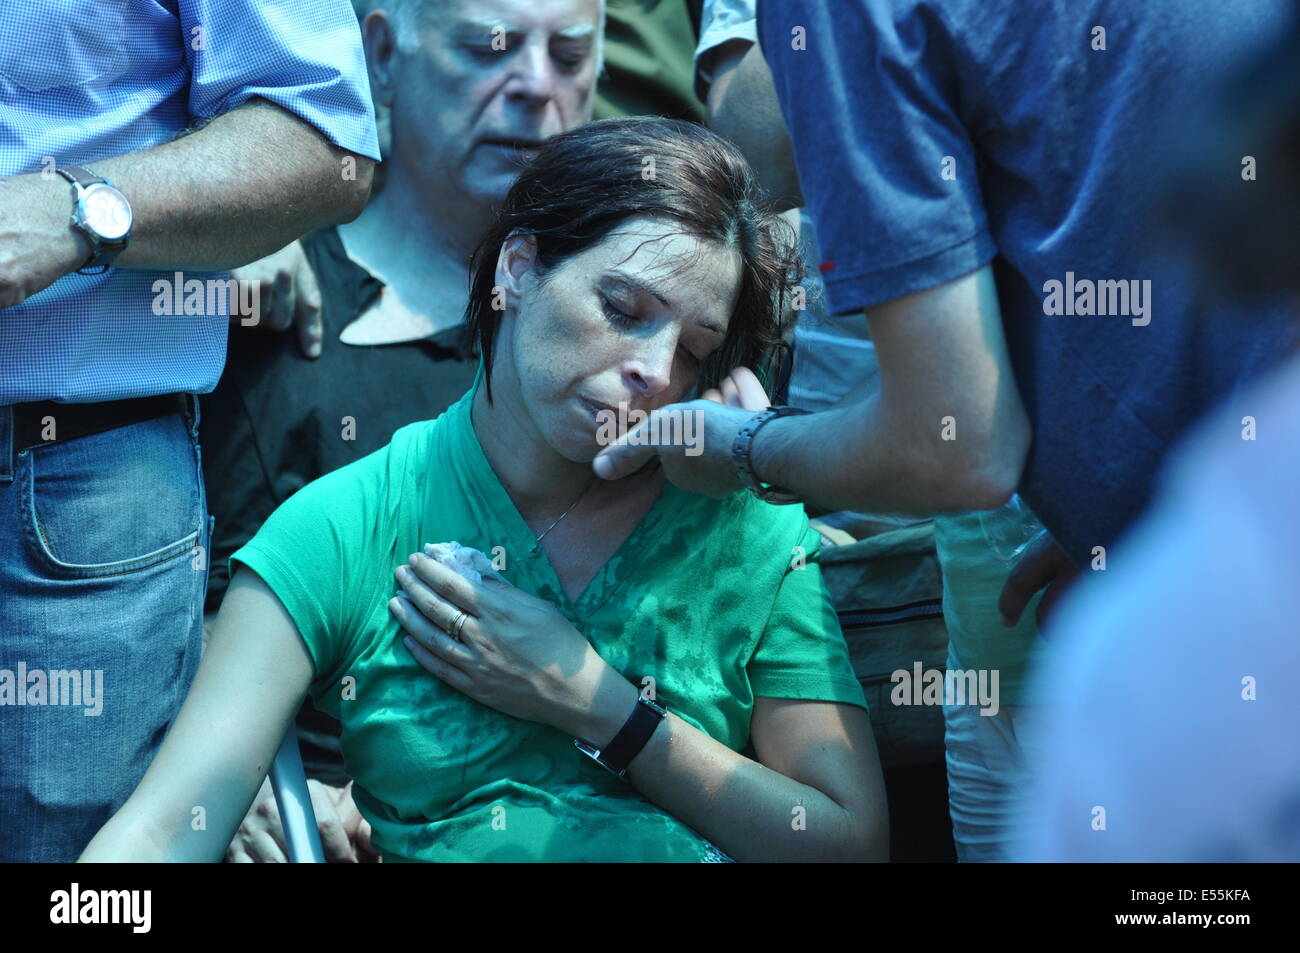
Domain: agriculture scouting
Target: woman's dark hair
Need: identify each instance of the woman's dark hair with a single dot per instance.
(582, 184)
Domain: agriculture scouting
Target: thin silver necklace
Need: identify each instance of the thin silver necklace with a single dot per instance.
(650, 465)
(569, 510)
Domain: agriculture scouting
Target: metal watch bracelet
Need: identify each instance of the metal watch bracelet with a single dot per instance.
(740, 455)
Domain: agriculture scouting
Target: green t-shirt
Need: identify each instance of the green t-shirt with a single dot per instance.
(705, 597)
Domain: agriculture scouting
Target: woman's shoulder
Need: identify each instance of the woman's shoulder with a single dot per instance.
(354, 490)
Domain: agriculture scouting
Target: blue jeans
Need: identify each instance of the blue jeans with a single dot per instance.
(103, 570)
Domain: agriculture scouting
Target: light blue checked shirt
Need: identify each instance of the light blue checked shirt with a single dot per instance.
(83, 80)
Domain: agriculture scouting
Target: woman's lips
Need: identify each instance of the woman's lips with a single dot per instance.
(595, 407)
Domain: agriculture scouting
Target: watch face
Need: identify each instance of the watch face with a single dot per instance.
(106, 211)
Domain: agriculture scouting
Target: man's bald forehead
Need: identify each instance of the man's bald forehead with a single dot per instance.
(408, 14)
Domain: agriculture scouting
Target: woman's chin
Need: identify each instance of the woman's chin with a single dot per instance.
(576, 445)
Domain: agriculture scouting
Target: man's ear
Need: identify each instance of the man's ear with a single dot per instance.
(379, 39)
(514, 263)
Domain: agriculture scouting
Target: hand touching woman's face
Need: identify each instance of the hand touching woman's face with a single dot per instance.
(630, 321)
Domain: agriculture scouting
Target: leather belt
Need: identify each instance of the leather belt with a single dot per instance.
(81, 420)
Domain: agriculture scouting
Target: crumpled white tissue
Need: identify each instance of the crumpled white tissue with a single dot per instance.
(465, 560)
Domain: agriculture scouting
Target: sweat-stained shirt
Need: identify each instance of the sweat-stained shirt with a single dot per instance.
(718, 600)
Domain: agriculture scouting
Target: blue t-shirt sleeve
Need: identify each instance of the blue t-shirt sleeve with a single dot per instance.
(302, 55)
(887, 165)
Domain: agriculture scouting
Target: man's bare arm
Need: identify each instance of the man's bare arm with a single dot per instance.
(247, 183)
(743, 107)
(946, 431)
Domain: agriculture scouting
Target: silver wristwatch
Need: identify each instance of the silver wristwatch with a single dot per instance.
(102, 214)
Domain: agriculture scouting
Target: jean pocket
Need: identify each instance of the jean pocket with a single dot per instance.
(49, 44)
(114, 502)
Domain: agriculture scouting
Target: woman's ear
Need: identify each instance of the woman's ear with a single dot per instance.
(514, 263)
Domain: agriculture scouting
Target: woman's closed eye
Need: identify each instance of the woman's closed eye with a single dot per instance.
(619, 317)
(622, 319)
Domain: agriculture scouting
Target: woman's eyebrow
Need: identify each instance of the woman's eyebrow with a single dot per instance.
(644, 288)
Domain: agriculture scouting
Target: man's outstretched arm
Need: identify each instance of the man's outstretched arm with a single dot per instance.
(946, 431)
(247, 183)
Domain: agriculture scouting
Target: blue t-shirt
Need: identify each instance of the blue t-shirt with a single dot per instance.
(934, 138)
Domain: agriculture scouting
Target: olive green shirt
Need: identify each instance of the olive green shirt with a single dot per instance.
(649, 60)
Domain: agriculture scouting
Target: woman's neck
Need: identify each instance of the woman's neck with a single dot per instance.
(538, 479)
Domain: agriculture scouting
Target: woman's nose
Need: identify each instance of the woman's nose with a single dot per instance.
(652, 370)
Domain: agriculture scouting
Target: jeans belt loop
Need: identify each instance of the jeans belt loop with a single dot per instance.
(192, 404)
(6, 443)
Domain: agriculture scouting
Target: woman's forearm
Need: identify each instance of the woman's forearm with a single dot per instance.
(524, 658)
(128, 838)
(185, 809)
(180, 829)
(119, 841)
(251, 681)
(750, 811)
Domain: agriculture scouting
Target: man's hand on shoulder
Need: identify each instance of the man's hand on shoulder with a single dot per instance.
(288, 296)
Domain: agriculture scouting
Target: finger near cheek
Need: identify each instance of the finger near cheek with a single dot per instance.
(605, 465)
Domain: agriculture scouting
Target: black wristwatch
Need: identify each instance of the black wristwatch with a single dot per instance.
(631, 738)
(102, 214)
(740, 456)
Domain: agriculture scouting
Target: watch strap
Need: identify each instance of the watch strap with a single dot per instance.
(631, 738)
(102, 251)
(83, 177)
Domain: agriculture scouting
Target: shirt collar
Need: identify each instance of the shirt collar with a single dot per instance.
(353, 288)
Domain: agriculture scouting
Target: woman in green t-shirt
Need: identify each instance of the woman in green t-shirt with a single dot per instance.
(633, 261)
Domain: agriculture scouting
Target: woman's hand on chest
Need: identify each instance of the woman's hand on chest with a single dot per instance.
(515, 653)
